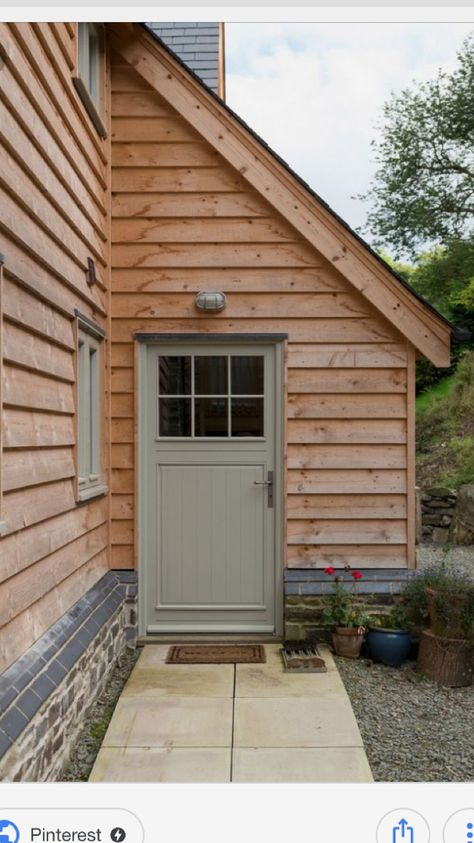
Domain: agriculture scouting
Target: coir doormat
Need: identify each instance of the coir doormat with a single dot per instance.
(216, 654)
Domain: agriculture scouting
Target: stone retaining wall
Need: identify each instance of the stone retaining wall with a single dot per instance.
(445, 516)
(438, 508)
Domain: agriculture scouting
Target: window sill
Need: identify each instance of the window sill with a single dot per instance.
(91, 492)
(89, 106)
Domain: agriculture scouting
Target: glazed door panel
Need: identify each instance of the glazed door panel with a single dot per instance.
(210, 563)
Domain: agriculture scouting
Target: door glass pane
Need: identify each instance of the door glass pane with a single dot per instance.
(175, 416)
(210, 375)
(175, 375)
(247, 416)
(246, 375)
(210, 417)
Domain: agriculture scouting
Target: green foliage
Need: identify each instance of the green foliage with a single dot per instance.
(443, 276)
(397, 619)
(445, 431)
(424, 186)
(442, 388)
(342, 607)
(442, 598)
(462, 450)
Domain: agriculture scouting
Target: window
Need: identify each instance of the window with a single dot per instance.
(90, 70)
(89, 433)
(211, 396)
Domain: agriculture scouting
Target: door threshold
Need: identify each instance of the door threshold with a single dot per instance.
(209, 638)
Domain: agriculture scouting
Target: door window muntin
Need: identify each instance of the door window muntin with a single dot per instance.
(195, 373)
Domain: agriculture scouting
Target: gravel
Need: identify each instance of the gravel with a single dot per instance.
(412, 730)
(85, 751)
(461, 558)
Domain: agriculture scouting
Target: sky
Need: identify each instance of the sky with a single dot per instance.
(315, 92)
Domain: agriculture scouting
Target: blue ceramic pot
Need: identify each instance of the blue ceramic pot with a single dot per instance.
(389, 646)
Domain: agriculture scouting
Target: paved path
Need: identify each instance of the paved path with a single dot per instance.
(221, 723)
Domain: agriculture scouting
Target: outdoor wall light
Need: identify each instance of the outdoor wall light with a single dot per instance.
(211, 300)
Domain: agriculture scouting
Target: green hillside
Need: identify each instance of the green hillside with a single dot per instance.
(445, 429)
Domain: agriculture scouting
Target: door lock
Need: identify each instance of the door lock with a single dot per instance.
(269, 484)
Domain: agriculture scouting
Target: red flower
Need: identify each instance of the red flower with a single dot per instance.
(356, 575)
(329, 570)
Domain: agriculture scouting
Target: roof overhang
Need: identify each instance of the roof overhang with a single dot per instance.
(423, 327)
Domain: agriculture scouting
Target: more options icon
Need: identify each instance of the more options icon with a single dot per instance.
(9, 832)
(404, 826)
(460, 827)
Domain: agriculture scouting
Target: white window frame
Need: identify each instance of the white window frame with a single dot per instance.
(89, 81)
(89, 378)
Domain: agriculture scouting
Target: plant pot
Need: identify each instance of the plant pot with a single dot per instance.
(447, 661)
(451, 627)
(389, 646)
(347, 641)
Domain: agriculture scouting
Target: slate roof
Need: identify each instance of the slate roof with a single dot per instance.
(196, 44)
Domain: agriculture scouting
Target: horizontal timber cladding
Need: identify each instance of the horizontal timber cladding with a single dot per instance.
(54, 200)
(183, 220)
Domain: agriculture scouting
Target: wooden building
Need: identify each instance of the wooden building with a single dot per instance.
(207, 377)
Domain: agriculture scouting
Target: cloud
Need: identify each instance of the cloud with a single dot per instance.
(315, 92)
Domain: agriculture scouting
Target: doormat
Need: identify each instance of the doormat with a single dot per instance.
(216, 654)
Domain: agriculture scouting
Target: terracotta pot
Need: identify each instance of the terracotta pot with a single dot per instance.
(348, 641)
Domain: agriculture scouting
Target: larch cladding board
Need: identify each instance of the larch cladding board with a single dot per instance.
(183, 220)
(54, 182)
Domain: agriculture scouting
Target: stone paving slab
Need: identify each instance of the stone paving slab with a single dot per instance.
(270, 764)
(187, 723)
(295, 722)
(176, 680)
(152, 764)
(171, 721)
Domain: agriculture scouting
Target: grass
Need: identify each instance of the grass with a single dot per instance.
(440, 390)
(445, 429)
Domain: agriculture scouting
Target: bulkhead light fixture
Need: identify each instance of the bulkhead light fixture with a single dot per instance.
(211, 300)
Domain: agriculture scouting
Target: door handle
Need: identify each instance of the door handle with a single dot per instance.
(269, 484)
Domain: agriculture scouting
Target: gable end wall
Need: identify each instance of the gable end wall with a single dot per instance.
(183, 219)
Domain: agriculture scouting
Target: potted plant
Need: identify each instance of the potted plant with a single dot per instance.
(389, 637)
(442, 600)
(345, 615)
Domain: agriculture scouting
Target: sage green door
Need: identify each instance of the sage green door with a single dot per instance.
(208, 545)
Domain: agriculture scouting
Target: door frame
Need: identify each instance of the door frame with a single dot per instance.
(142, 342)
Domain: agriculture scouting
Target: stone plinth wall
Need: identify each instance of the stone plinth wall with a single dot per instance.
(306, 590)
(46, 694)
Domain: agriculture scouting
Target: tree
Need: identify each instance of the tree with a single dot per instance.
(444, 276)
(423, 191)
